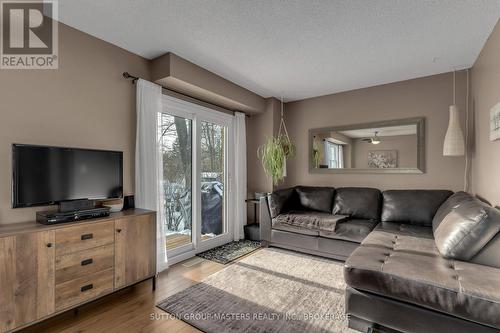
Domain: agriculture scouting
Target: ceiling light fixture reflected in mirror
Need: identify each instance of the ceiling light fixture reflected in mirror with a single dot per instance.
(373, 140)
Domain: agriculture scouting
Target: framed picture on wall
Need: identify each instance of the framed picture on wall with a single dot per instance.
(495, 122)
(383, 159)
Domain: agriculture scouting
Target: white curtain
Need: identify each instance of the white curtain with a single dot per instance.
(240, 177)
(148, 177)
(328, 153)
(341, 156)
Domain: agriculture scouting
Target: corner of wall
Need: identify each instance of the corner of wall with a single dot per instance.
(485, 94)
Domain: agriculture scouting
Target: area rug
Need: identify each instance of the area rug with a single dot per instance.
(231, 251)
(272, 290)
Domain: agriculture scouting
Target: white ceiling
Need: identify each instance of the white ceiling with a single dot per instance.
(296, 48)
(381, 131)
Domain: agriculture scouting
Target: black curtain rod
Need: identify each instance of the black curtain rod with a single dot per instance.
(130, 77)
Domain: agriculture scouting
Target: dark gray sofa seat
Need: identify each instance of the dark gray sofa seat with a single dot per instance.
(407, 266)
(405, 229)
(319, 220)
(432, 263)
(406, 270)
(353, 230)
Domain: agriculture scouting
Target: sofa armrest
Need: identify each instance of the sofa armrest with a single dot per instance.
(265, 220)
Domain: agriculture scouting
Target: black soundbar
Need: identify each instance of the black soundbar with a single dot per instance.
(54, 217)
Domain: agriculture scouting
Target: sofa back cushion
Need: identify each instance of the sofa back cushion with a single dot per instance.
(489, 255)
(467, 229)
(452, 202)
(412, 206)
(316, 198)
(282, 201)
(358, 202)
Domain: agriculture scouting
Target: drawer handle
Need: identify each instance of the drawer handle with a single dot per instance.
(87, 236)
(87, 287)
(87, 262)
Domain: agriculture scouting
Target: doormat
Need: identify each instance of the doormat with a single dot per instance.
(231, 251)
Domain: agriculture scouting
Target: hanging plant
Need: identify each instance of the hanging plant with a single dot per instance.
(275, 152)
(316, 159)
(315, 153)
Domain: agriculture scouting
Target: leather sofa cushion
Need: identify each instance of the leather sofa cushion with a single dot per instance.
(306, 222)
(412, 206)
(410, 269)
(281, 201)
(466, 229)
(405, 229)
(403, 237)
(351, 230)
(316, 198)
(452, 202)
(358, 202)
(489, 255)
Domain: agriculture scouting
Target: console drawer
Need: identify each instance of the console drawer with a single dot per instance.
(77, 264)
(79, 290)
(77, 238)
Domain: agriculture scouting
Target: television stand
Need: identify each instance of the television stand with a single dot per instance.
(56, 268)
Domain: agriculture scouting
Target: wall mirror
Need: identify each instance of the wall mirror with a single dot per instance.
(395, 146)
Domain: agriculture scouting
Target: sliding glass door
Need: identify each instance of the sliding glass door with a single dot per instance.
(175, 140)
(197, 164)
(213, 179)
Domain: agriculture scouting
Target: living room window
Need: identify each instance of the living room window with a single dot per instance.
(334, 154)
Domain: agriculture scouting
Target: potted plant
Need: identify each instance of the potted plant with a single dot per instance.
(276, 151)
(274, 154)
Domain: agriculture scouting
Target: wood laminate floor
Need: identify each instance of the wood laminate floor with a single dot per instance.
(177, 240)
(130, 310)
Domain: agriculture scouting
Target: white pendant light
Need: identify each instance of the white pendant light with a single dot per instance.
(454, 139)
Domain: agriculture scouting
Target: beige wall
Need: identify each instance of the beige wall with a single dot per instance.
(259, 128)
(85, 103)
(429, 97)
(485, 94)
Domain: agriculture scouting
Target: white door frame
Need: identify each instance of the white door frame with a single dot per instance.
(197, 113)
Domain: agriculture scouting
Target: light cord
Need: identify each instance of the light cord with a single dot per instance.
(281, 106)
(466, 176)
(454, 87)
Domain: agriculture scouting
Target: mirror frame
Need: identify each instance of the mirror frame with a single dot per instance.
(420, 169)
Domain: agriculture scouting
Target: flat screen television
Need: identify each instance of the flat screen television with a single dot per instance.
(45, 175)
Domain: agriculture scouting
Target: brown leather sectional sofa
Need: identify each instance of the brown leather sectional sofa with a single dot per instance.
(415, 260)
